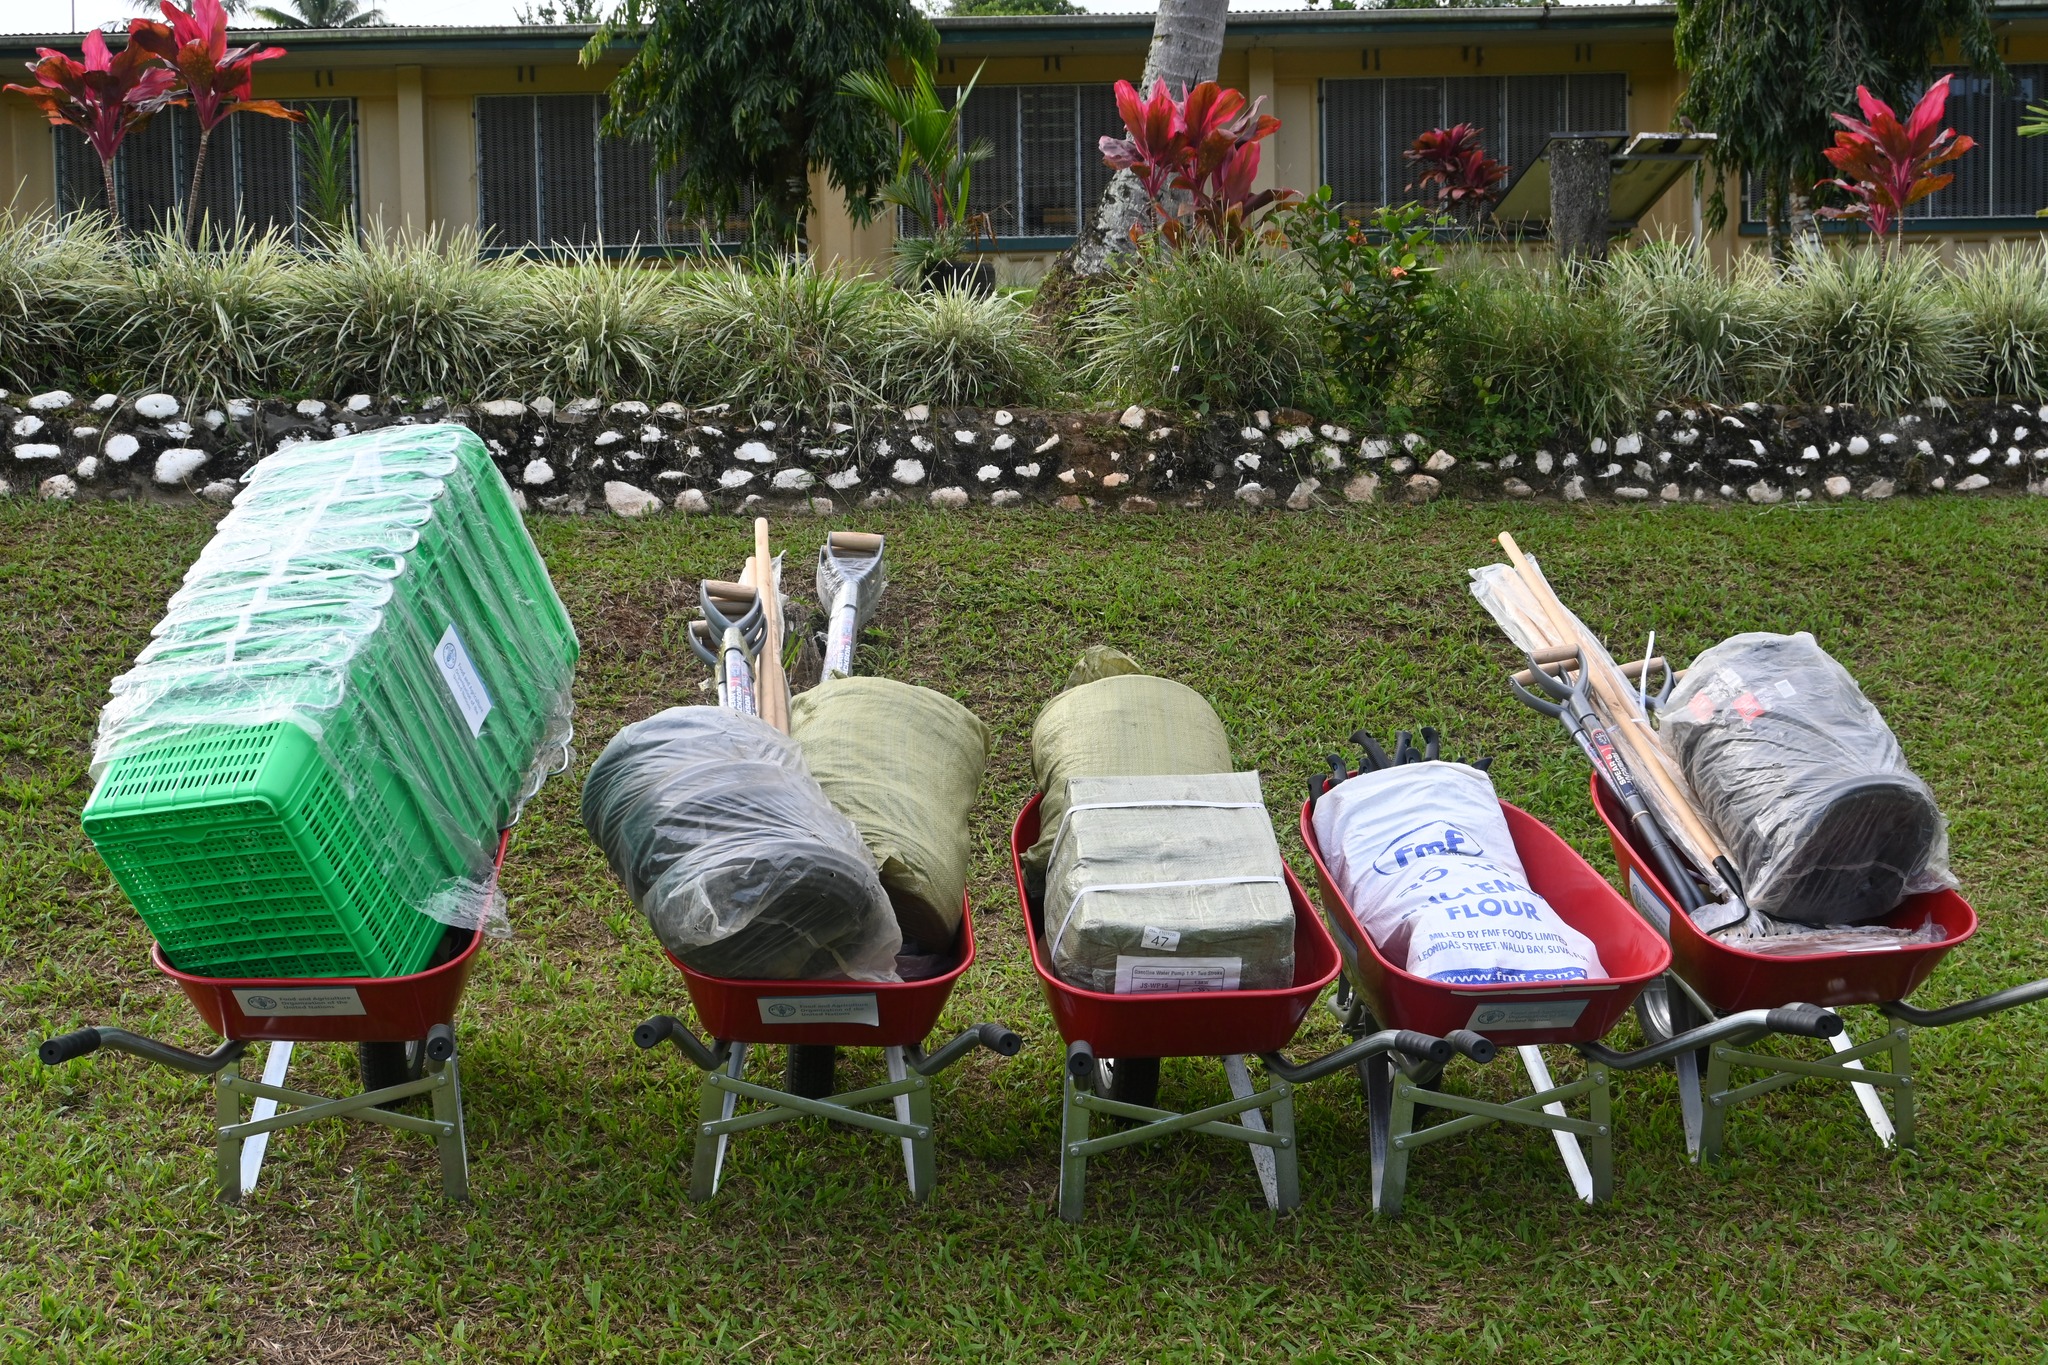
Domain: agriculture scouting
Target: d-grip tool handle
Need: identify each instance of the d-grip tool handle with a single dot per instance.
(65, 1046)
(854, 542)
(997, 1038)
(1477, 1046)
(1423, 1047)
(1804, 1021)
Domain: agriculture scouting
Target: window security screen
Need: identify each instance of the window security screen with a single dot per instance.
(1045, 169)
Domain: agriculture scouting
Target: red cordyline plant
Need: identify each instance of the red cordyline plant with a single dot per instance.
(1453, 168)
(106, 97)
(1196, 158)
(1888, 165)
(213, 78)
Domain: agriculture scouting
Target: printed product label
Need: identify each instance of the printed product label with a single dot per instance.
(310, 1000)
(1514, 1014)
(1649, 903)
(1160, 940)
(464, 684)
(820, 1009)
(1150, 975)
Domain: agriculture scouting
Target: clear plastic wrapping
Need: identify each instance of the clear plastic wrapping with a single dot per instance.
(1169, 883)
(717, 831)
(1804, 782)
(380, 593)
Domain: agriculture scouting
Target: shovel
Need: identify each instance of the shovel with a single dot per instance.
(851, 580)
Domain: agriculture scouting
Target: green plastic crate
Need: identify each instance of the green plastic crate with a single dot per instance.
(247, 857)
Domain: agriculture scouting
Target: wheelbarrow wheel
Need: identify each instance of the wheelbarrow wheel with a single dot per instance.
(1664, 1010)
(382, 1064)
(810, 1070)
(1129, 1080)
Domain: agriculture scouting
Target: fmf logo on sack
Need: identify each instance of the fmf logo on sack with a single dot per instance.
(1434, 840)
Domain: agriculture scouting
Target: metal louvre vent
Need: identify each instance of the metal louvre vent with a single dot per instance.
(565, 146)
(1413, 108)
(507, 183)
(1354, 141)
(1048, 177)
(991, 114)
(1536, 109)
(1096, 118)
(2019, 165)
(146, 176)
(1478, 100)
(632, 202)
(217, 187)
(269, 167)
(79, 187)
(1596, 104)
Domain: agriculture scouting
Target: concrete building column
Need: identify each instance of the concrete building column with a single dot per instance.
(413, 209)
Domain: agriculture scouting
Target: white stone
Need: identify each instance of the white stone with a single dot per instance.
(908, 472)
(826, 453)
(793, 480)
(1377, 448)
(1068, 476)
(1834, 447)
(629, 408)
(1938, 483)
(1663, 414)
(1293, 437)
(1684, 436)
(755, 452)
(1758, 447)
(989, 473)
(1028, 471)
(823, 507)
(715, 433)
(1859, 445)
(736, 478)
(963, 437)
(1329, 457)
(1116, 480)
(1752, 408)
(1735, 422)
(1643, 470)
(1575, 489)
(37, 450)
(87, 467)
(1133, 417)
(1002, 442)
(609, 438)
(843, 480)
(1304, 495)
(178, 431)
(1248, 460)
(1510, 460)
(1412, 442)
(922, 445)
(1764, 492)
(2019, 433)
(1742, 464)
(537, 473)
(1439, 462)
(2013, 456)
(214, 418)
(1515, 488)
(1363, 488)
(880, 497)
(1400, 464)
(156, 406)
(1670, 492)
(1156, 435)
(1047, 444)
(1004, 417)
(221, 491)
(1599, 445)
(1632, 494)
(27, 425)
(544, 406)
(1544, 462)
(1924, 449)
(1341, 435)
(311, 407)
(49, 402)
(121, 447)
(1810, 453)
(1571, 459)
(1631, 444)
(1887, 439)
(692, 500)
(1992, 436)
(240, 409)
(1837, 486)
(652, 435)
(1265, 419)
(920, 412)
(1005, 497)
(1972, 483)
(1980, 455)
(954, 498)
(58, 488)
(835, 429)
(1251, 434)
(669, 476)
(177, 464)
(767, 426)
(107, 402)
(1251, 493)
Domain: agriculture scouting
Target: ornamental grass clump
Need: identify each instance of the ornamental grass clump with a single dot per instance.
(600, 328)
(2003, 295)
(408, 313)
(1706, 331)
(954, 347)
(55, 277)
(205, 323)
(785, 337)
(1208, 330)
(1874, 330)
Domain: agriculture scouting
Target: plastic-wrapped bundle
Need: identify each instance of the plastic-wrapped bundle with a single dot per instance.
(903, 763)
(1428, 866)
(1116, 721)
(1168, 884)
(730, 849)
(1803, 781)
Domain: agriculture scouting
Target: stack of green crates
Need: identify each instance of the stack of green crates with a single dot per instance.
(364, 677)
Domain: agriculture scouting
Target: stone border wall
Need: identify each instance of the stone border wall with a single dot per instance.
(635, 458)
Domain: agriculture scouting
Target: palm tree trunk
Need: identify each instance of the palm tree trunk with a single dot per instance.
(1187, 45)
(113, 203)
(192, 195)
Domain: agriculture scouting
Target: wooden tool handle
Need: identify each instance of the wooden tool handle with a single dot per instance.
(855, 542)
(773, 687)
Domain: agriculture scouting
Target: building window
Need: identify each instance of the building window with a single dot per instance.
(547, 179)
(1045, 170)
(1368, 123)
(256, 176)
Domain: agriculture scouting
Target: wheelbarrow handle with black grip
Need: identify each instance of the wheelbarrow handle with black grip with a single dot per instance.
(79, 1042)
(1995, 1003)
(1420, 1054)
(1799, 1021)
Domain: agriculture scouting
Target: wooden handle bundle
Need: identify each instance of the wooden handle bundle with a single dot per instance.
(1535, 614)
(771, 687)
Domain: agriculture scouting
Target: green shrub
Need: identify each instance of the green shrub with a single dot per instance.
(1706, 331)
(1854, 327)
(597, 327)
(408, 313)
(783, 337)
(1376, 287)
(204, 323)
(1202, 329)
(53, 276)
(1527, 344)
(956, 348)
(2003, 293)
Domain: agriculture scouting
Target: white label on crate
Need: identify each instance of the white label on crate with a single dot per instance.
(306, 1000)
(820, 1009)
(1527, 1014)
(464, 684)
(1160, 940)
(1147, 975)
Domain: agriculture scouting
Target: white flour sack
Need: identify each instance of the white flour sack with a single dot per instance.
(1423, 854)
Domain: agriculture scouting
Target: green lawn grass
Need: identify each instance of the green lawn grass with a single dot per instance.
(1810, 1242)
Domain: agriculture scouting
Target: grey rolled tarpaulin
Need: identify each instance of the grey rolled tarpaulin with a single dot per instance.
(733, 853)
(1169, 883)
(904, 764)
(1804, 782)
(1114, 721)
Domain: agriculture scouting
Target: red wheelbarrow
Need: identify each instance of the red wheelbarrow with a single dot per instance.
(1710, 979)
(1115, 1043)
(1524, 1015)
(403, 1028)
(812, 1019)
